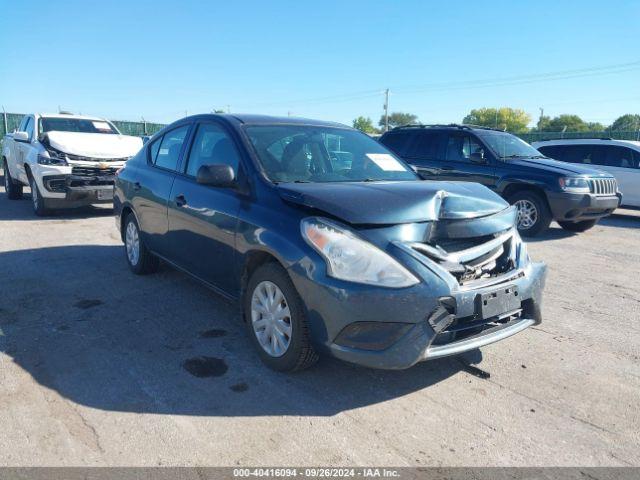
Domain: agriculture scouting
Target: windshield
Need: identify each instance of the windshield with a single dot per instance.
(303, 153)
(58, 124)
(506, 145)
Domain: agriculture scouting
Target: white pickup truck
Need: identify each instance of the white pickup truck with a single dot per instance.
(67, 160)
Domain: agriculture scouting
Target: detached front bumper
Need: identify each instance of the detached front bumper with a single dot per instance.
(77, 185)
(395, 329)
(575, 207)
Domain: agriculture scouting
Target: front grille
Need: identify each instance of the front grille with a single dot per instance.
(79, 158)
(603, 186)
(93, 171)
(473, 259)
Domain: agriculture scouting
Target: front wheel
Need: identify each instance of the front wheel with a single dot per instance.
(11, 187)
(276, 322)
(39, 203)
(533, 215)
(139, 258)
(582, 226)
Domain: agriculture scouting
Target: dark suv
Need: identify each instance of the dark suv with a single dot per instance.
(328, 241)
(542, 189)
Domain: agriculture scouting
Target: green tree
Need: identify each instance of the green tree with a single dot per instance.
(364, 124)
(511, 119)
(397, 119)
(626, 123)
(573, 123)
(596, 127)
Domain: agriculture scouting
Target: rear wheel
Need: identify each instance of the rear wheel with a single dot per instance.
(582, 226)
(276, 320)
(533, 215)
(140, 260)
(12, 187)
(39, 203)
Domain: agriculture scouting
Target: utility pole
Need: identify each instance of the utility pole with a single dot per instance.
(540, 120)
(228, 108)
(386, 110)
(4, 117)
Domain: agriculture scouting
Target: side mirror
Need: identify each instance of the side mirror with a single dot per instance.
(477, 156)
(216, 176)
(21, 136)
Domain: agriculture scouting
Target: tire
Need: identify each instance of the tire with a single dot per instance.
(140, 260)
(537, 208)
(298, 353)
(38, 202)
(12, 188)
(582, 226)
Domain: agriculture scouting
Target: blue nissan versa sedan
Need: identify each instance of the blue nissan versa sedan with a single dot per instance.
(330, 242)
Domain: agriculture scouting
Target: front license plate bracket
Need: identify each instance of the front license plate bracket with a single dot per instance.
(496, 302)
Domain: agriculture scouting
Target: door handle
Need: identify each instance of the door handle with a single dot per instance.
(446, 168)
(181, 201)
(137, 186)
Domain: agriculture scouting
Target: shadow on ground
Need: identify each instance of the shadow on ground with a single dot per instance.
(88, 329)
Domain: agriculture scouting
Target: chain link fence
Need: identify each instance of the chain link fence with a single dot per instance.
(10, 121)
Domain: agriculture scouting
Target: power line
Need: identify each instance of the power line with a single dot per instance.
(469, 84)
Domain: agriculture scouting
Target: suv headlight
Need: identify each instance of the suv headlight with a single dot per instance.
(574, 184)
(353, 259)
(54, 158)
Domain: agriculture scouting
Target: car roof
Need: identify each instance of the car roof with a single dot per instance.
(70, 115)
(588, 141)
(451, 126)
(254, 119)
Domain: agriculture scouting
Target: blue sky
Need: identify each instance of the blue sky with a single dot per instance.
(324, 59)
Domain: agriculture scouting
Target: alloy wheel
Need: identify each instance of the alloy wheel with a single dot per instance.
(271, 318)
(527, 214)
(132, 243)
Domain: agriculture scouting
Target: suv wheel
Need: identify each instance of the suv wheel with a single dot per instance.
(39, 203)
(582, 226)
(140, 260)
(12, 188)
(276, 321)
(534, 216)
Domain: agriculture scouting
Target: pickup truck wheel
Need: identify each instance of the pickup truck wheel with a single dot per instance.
(140, 260)
(578, 226)
(11, 187)
(275, 318)
(533, 215)
(39, 203)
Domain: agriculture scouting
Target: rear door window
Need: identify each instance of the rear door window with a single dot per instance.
(398, 142)
(426, 146)
(167, 152)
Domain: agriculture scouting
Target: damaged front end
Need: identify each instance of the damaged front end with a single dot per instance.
(77, 180)
(495, 289)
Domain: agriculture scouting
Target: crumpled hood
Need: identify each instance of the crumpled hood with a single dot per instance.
(96, 145)
(562, 168)
(387, 203)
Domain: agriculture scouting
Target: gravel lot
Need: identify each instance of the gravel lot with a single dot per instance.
(93, 372)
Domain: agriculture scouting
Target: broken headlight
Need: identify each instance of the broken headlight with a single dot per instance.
(53, 157)
(354, 259)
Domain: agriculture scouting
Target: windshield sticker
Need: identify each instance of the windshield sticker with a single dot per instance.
(102, 126)
(386, 162)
